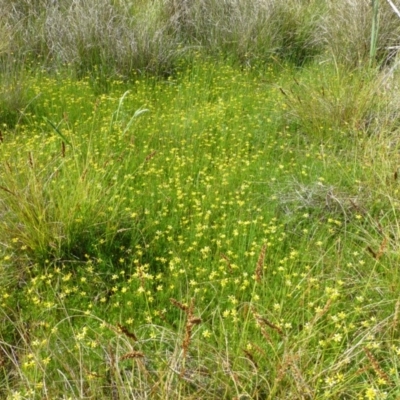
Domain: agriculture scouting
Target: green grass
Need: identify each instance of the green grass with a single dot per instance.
(225, 232)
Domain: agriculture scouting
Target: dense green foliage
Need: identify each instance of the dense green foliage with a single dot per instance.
(216, 221)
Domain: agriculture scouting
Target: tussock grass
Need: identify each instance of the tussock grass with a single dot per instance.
(248, 31)
(347, 26)
(335, 99)
(116, 37)
(14, 99)
(54, 205)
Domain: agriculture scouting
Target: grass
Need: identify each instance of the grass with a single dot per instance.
(113, 37)
(222, 226)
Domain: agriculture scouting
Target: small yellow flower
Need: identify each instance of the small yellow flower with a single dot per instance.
(46, 360)
(206, 334)
(371, 394)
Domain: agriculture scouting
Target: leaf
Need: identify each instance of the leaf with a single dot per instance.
(58, 131)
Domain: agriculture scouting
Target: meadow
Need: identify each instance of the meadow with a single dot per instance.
(209, 217)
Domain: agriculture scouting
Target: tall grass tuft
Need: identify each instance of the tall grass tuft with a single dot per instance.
(111, 37)
(342, 101)
(345, 30)
(247, 31)
(58, 209)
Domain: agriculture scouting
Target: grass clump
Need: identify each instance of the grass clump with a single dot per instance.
(248, 31)
(347, 26)
(54, 204)
(336, 100)
(112, 37)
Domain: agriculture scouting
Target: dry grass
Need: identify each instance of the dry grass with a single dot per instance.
(345, 31)
(152, 36)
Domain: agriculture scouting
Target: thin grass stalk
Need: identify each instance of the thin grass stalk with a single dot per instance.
(374, 32)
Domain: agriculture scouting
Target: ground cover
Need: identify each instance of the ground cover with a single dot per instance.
(220, 233)
(199, 199)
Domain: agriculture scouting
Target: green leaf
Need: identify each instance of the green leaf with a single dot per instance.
(58, 131)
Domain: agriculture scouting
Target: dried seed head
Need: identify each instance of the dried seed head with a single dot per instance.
(132, 354)
(195, 321)
(127, 333)
(176, 303)
(260, 264)
(376, 367)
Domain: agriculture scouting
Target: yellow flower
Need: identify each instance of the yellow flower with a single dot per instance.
(371, 393)
(46, 360)
(206, 334)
